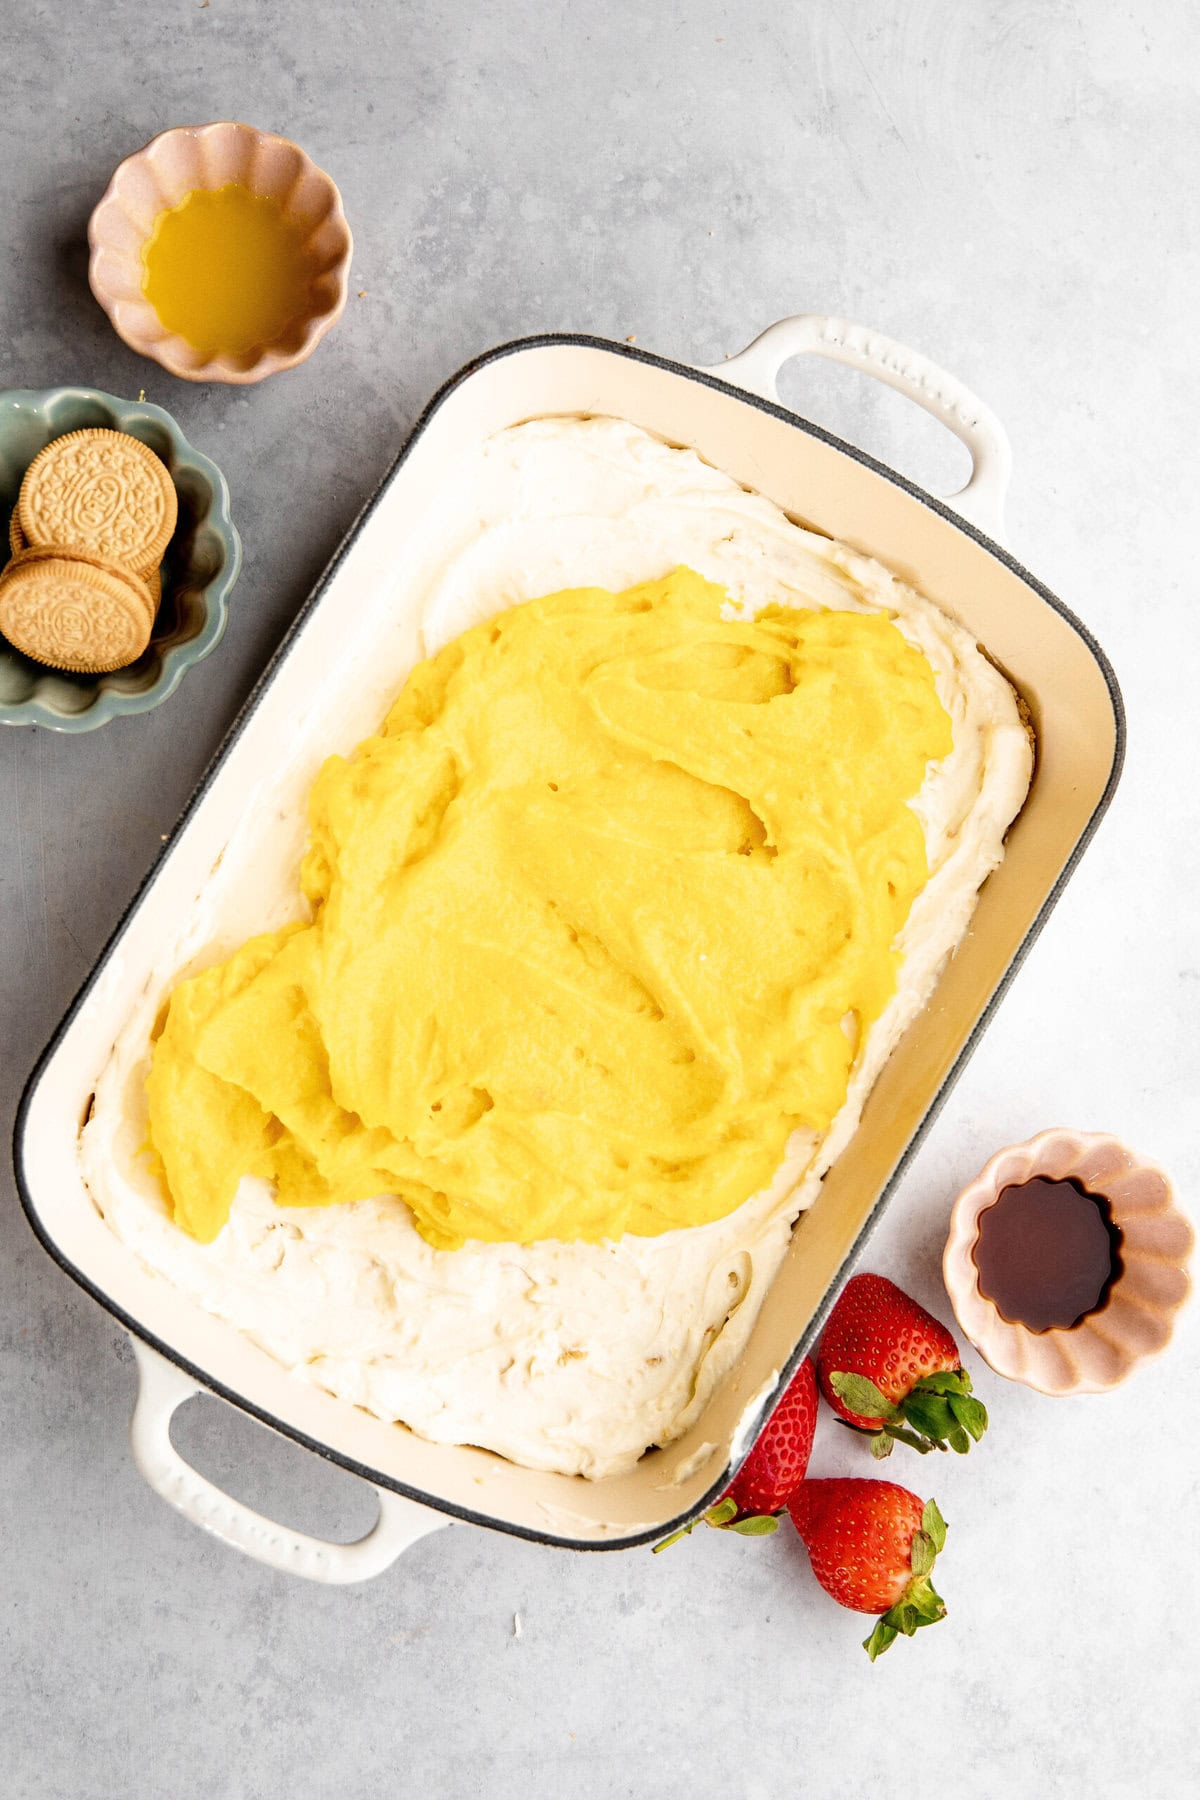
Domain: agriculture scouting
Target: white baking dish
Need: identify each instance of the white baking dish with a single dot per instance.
(731, 417)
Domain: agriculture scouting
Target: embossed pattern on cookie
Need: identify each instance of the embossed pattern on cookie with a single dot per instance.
(148, 587)
(73, 615)
(102, 492)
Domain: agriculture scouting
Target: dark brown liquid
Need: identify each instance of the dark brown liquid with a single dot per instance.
(1047, 1253)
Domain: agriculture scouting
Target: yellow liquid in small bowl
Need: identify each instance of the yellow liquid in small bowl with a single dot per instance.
(225, 270)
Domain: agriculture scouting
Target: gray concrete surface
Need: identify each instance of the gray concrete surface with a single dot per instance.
(1008, 186)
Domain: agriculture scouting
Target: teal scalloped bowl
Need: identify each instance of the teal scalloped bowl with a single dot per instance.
(199, 569)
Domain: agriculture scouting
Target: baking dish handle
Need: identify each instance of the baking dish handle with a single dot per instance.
(757, 368)
(162, 1388)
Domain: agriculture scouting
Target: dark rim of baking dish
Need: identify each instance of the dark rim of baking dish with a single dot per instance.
(556, 340)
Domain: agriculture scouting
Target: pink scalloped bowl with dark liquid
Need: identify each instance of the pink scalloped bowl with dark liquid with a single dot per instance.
(1135, 1315)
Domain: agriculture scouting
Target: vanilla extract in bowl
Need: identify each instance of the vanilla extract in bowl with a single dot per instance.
(1047, 1253)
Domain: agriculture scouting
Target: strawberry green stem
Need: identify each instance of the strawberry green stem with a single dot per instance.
(938, 1413)
(920, 1604)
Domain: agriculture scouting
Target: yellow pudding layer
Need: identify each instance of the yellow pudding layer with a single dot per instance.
(598, 919)
(226, 270)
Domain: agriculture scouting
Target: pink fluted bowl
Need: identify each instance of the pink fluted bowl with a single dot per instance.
(1138, 1318)
(175, 164)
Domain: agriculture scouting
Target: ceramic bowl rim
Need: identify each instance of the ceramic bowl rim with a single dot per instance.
(179, 658)
(997, 1339)
(172, 351)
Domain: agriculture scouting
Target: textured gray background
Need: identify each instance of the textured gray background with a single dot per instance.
(1009, 187)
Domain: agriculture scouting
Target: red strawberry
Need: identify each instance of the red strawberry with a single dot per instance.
(889, 1368)
(774, 1469)
(872, 1545)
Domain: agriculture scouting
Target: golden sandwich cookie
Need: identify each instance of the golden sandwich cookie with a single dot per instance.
(148, 587)
(74, 615)
(100, 493)
(16, 537)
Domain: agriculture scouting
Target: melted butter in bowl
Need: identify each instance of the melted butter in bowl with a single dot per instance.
(220, 251)
(227, 271)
